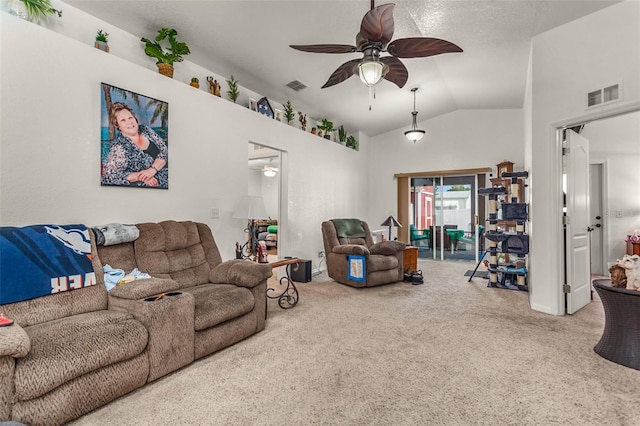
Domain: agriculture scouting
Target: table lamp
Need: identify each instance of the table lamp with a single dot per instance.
(390, 221)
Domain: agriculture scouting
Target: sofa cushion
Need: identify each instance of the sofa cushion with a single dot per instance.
(182, 251)
(379, 262)
(217, 303)
(67, 348)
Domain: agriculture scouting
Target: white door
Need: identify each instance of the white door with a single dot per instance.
(596, 235)
(577, 272)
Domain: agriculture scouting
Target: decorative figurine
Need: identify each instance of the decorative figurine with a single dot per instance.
(262, 252)
(303, 121)
(313, 130)
(214, 86)
(238, 250)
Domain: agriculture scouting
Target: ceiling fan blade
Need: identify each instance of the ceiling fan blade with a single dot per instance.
(398, 73)
(324, 48)
(420, 47)
(377, 25)
(343, 72)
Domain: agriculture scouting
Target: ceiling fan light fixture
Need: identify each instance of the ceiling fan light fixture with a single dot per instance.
(371, 72)
(414, 134)
(269, 172)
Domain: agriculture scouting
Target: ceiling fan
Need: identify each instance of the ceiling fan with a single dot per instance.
(373, 39)
(269, 170)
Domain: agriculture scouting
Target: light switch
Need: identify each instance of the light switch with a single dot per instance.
(214, 213)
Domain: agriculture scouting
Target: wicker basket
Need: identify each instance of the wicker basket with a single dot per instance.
(166, 69)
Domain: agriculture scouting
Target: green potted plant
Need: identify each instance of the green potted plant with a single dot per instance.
(166, 56)
(195, 82)
(327, 126)
(33, 9)
(233, 91)
(101, 41)
(288, 112)
(342, 135)
(352, 142)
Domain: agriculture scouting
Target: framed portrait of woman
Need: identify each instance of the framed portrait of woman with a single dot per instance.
(134, 139)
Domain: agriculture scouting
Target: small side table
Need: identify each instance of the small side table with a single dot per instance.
(410, 258)
(289, 297)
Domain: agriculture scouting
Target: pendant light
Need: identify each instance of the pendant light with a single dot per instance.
(414, 134)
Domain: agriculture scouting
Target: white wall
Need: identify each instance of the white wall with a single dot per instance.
(567, 62)
(615, 143)
(50, 139)
(464, 139)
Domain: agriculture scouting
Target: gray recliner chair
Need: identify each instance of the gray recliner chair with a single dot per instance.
(344, 237)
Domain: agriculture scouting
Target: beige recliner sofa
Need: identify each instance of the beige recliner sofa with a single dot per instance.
(72, 352)
(344, 237)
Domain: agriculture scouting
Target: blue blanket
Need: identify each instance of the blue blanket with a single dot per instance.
(43, 259)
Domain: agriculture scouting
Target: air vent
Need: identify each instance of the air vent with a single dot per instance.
(296, 85)
(603, 96)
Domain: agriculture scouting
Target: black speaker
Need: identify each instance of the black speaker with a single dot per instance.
(301, 271)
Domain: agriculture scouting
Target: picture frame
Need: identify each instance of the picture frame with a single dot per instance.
(134, 137)
(253, 104)
(278, 115)
(264, 107)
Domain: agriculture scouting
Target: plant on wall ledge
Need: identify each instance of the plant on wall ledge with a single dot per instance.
(327, 126)
(35, 9)
(288, 112)
(166, 56)
(352, 142)
(233, 91)
(342, 135)
(101, 41)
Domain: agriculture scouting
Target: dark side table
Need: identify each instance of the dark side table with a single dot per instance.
(620, 341)
(289, 296)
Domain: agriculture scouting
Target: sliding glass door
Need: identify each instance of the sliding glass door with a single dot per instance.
(443, 217)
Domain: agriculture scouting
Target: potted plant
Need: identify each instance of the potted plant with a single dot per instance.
(288, 112)
(327, 126)
(166, 56)
(33, 9)
(233, 91)
(352, 142)
(342, 135)
(195, 82)
(101, 41)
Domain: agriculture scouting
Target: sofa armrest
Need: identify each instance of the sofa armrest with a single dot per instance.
(388, 248)
(14, 341)
(139, 289)
(354, 249)
(241, 273)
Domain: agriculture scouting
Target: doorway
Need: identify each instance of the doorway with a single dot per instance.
(266, 167)
(612, 191)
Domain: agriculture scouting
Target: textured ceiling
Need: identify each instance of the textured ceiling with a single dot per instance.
(250, 39)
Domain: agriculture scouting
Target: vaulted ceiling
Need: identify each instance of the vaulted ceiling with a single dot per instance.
(250, 39)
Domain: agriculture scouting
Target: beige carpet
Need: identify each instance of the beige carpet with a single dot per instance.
(447, 352)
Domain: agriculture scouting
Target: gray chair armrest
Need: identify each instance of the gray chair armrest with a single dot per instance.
(139, 289)
(388, 248)
(14, 341)
(241, 273)
(353, 249)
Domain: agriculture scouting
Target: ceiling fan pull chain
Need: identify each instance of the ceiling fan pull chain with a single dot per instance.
(371, 96)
